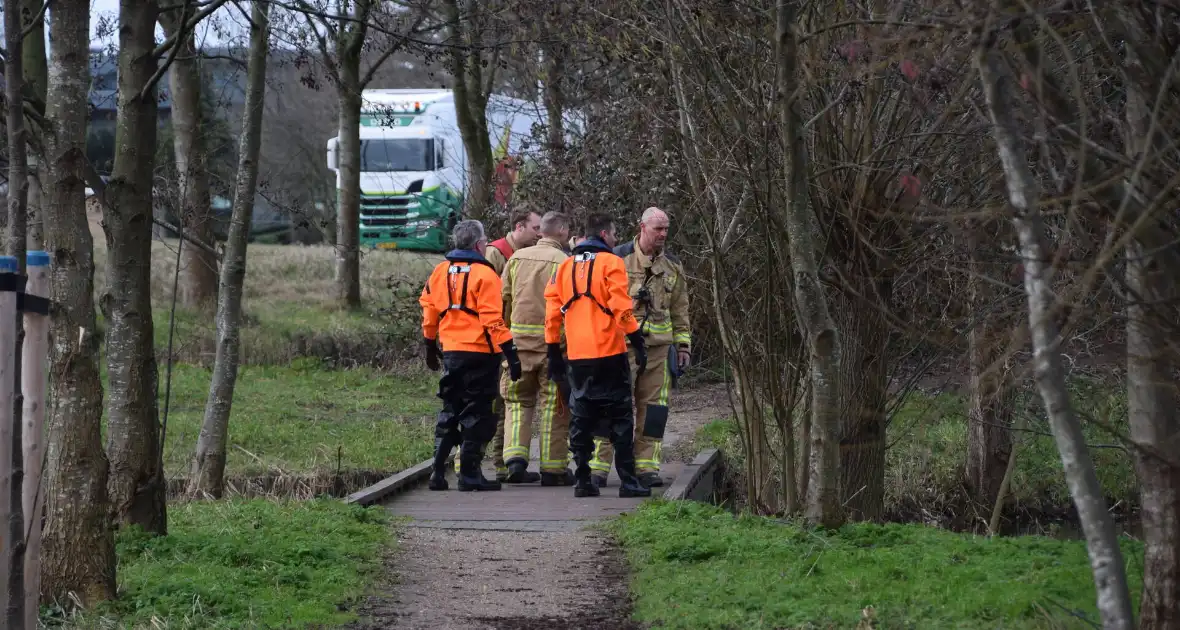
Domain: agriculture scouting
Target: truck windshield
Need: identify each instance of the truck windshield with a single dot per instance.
(406, 154)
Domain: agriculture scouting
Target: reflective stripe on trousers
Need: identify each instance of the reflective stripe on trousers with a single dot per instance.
(653, 387)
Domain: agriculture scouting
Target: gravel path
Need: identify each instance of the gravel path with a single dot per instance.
(452, 579)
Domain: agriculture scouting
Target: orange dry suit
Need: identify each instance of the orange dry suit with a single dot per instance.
(463, 310)
(587, 296)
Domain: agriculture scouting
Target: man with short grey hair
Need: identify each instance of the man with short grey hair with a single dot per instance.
(467, 234)
(462, 310)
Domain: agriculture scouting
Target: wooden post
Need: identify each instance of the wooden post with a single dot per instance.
(34, 372)
(8, 291)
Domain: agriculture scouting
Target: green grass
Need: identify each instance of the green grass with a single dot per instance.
(928, 435)
(698, 567)
(247, 564)
(300, 419)
(927, 439)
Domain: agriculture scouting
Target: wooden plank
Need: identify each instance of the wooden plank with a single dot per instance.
(401, 481)
(684, 487)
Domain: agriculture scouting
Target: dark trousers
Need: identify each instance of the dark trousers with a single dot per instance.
(600, 404)
(468, 386)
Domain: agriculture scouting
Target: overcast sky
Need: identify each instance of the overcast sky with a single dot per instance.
(108, 11)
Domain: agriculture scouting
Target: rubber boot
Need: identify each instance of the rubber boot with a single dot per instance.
(651, 479)
(518, 472)
(629, 484)
(470, 473)
(582, 484)
(557, 479)
(442, 448)
(599, 480)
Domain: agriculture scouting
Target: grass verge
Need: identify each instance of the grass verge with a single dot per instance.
(697, 566)
(302, 419)
(245, 564)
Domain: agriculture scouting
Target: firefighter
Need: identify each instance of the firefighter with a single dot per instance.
(588, 296)
(656, 283)
(524, 280)
(526, 229)
(463, 310)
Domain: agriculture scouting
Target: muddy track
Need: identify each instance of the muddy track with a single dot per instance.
(471, 579)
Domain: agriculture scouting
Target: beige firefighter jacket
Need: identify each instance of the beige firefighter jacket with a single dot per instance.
(496, 257)
(524, 280)
(664, 319)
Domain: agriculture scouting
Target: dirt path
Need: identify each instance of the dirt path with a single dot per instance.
(525, 575)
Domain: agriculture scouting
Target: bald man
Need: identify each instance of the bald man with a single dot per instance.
(659, 295)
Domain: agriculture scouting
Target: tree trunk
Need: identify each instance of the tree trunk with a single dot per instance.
(471, 103)
(555, 102)
(1106, 558)
(18, 179)
(198, 279)
(989, 417)
(75, 478)
(136, 485)
(208, 470)
(348, 218)
(823, 498)
(864, 382)
(36, 76)
(1151, 386)
(1151, 409)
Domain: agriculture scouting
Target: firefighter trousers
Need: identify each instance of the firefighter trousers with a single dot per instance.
(600, 405)
(497, 445)
(651, 394)
(467, 388)
(535, 397)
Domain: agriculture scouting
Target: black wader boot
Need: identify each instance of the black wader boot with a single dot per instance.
(624, 443)
(442, 448)
(470, 474)
(582, 447)
(583, 486)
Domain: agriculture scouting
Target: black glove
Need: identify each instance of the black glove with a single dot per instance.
(509, 349)
(431, 354)
(640, 346)
(556, 363)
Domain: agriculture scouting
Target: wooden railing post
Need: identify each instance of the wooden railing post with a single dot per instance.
(9, 286)
(34, 373)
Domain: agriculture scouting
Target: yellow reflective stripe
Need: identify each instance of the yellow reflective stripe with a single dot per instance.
(665, 386)
(512, 430)
(550, 410)
(657, 329)
(526, 329)
(597, 464)
(682, 337)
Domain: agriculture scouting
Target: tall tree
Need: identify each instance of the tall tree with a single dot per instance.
(208, 469)
(75, 478)
(1152, 297)
(473, 74)
(36, 78)
(18, 194)
(137, 487)
(823, 496)
(198, 281)
(989, 416)
(1106, 559)
(341, 40)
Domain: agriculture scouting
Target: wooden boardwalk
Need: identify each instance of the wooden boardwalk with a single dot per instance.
(518, 507)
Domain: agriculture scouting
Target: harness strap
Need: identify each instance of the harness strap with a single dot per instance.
(583, 258)
(462, 305)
